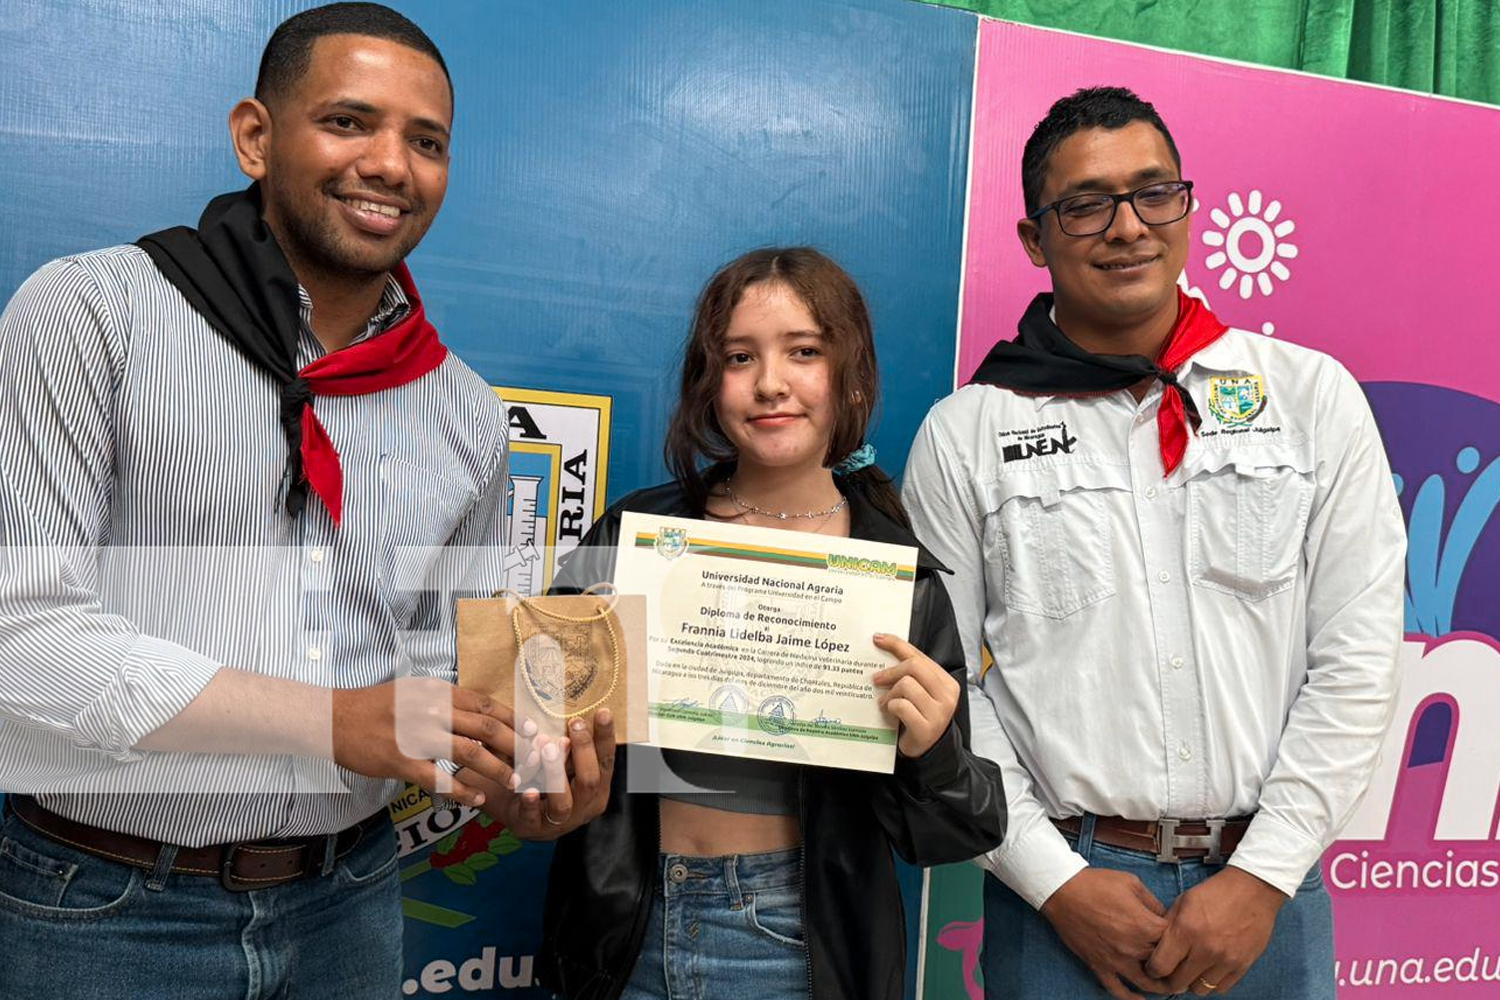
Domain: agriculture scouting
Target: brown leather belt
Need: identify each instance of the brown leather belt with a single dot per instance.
(1168, 840)
(239, 867)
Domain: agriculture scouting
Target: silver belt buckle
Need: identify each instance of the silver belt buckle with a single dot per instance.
(1168, 842)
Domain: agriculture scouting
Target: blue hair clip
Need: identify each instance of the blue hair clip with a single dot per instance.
(860, 458)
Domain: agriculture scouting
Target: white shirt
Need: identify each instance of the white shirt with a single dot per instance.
(140, 548)
(1218, 642)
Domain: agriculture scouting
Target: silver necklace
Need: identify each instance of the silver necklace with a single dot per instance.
(782, 515)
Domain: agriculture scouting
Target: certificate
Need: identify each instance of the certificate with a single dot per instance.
(758, 641)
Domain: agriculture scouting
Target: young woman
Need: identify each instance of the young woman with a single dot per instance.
(780, 883)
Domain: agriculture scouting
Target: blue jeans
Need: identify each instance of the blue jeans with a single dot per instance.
(725, 928)
(1024, 958)
(77, 927)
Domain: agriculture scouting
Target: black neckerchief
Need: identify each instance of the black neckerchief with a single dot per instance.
(1042, 360)
(233, 273)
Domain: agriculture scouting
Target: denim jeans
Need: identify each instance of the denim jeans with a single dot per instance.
(1025, 959)
(77, 927)
(725, 928)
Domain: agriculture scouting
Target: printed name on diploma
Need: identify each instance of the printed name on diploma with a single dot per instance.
(749, 633)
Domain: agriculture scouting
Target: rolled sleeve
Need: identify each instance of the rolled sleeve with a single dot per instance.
(91, 677)
(156, 680)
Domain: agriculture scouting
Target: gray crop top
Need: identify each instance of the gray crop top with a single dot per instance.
(738, 784)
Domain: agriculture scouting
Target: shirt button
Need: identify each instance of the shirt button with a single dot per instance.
(316, 555)
(1176, 662)
(1150, 492)
(1184, 752)
(313, 652)
(1164, 576)
(678, 873)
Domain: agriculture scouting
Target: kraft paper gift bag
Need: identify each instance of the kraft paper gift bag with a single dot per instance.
(579, 653)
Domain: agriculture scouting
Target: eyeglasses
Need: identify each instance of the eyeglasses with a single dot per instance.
(1091, 214)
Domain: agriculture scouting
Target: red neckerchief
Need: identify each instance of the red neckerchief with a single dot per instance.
(402, 354)
(1194, 330)
(1043, 361)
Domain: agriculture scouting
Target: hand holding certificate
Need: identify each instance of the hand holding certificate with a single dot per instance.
(921, 695)
(759, 641)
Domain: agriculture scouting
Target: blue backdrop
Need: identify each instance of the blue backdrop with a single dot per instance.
(607, 158)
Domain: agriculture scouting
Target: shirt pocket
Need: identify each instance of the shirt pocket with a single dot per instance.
(1055, 536)
(1247, 511)
(420, 510)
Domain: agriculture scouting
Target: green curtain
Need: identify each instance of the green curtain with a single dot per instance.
(1449, 47)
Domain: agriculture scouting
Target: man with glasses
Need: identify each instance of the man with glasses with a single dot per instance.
(1180, 546)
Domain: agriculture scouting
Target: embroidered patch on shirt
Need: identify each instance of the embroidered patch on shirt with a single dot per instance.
(1236, 400)
(1033, 442)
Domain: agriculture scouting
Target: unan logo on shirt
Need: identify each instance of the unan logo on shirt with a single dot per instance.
(1036, 442)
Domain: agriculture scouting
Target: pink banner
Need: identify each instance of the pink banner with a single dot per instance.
(1377, 204)
(1352, 219)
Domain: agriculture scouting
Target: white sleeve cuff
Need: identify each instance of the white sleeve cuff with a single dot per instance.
(1035, 865)
(1276, 853)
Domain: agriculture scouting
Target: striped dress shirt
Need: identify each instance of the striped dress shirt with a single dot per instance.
(142, 547)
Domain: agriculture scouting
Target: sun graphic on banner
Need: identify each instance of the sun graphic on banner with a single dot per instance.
(1252, 243)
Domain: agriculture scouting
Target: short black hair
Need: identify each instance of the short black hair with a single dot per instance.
(1091, 107)
(289, 52)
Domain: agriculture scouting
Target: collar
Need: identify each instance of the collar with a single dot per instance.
(1223, 355)
(394, 305)
(392, 309)
(1043, 398)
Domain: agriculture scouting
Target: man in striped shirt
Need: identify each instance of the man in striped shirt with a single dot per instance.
(214, 681)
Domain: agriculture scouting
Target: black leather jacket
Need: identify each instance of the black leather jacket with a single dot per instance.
(943, 807)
